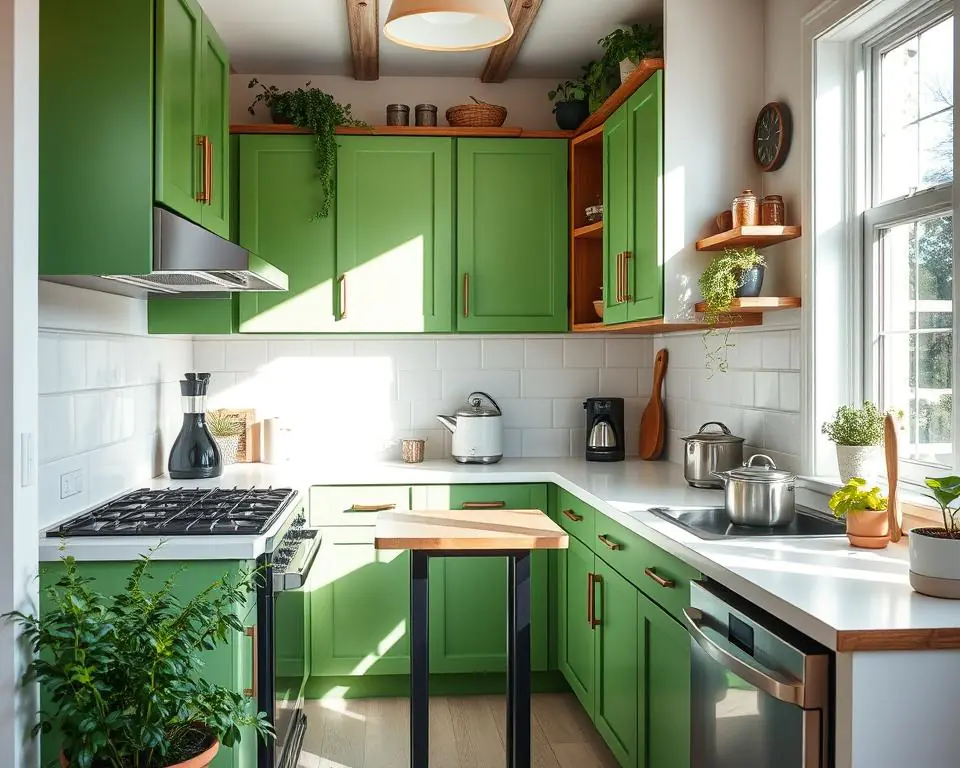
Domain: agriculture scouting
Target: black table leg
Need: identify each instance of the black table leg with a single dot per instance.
(518, 666)
(419, 660)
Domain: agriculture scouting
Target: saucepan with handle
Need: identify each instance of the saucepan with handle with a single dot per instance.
(758, 494)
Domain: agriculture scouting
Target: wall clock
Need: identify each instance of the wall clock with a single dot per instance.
(771, 136)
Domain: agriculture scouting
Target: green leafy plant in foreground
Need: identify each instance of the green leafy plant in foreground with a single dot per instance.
(946, 492)
(858, 426)
(855, 497)
(123, 672)
(638, 41)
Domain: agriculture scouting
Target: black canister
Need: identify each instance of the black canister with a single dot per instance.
(398, 114)
(195, 454)
(426, 114)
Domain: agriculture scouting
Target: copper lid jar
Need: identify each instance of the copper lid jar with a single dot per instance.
(746, 209)
(772, 211)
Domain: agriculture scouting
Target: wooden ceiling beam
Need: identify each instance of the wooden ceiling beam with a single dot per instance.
(522, 14)
(363, 19)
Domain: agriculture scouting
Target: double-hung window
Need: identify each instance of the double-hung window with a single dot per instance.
(908, 261)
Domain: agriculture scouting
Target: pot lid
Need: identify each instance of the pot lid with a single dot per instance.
(723, 436)
(476, 407)
(766, 473)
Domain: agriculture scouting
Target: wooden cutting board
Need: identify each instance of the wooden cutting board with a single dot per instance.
(653, 423)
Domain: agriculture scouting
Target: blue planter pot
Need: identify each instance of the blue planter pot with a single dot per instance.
(570, 114)
(752, 282)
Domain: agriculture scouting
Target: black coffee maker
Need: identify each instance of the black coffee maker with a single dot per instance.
(195, 454)
(604, 429)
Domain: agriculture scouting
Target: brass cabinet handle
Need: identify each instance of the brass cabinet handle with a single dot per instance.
(251, 632)
(666, 583)
(625, 296)
(483, 505)
(590, 600)
(619, 290)
(208, 169)
(372, 507)
(203, 196)
(595, 579)
(571, 515)
(466, 294)
(342, 285)
(609, 543)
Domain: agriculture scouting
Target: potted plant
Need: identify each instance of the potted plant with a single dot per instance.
(226, 430)
(868, 525)
(858, 435)
(122, 673)
(317, 111)
(570, 104)
(934, 551)
(626, 45)
(600, 80)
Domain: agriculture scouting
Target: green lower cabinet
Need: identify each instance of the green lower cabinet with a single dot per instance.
(576, 639)
(195, 316)
(360, 606)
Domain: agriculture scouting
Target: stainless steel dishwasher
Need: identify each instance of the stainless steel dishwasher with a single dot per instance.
(760, 690)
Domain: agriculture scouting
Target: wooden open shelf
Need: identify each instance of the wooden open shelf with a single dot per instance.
(410, 130)
(659, 326)
(759, 304)
(590, 231)
(639, 76)
(591, 137)
(742, 237)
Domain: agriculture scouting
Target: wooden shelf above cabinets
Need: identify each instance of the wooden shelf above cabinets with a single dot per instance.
(658, 325)
(759, 304)
(640, 75)
(742, 237)
(412, 130)
(590, 231)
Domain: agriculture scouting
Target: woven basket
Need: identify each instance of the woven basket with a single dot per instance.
(476, 116)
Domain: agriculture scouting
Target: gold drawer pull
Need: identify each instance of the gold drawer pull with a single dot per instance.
(595, 579)
(372, 507)
(483, 505)
(667, 583)
(609, 543)
(590, 600)
(251, 693)
(571, 515)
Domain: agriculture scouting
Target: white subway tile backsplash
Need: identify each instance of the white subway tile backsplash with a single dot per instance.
(570, 382)
(245, 356)
(459, 353)
(766, 390)
(98, 364)
(618, 382)
(741, 385)
(405, 354)
(752, 428)
(502, 353)
(795, 350)
(776, 350)
(419, 385)
(568, 412)
(423, 413)
(790, 391)
(73, 363)
(48, 362)
(546, 442)
(544, 353)
(56, 430)
(457, 384)
(209, 356)
(628, 353)
(583, 353)
(332, 348)
(278, 349)
(89, 418)
(745, 351)
(527, 414)
(781, 432)
(512, 443)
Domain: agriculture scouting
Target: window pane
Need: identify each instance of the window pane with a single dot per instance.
(936, 149)
(917, 275)
(936, 68)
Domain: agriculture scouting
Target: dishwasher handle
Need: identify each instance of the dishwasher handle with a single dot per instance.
(782, 689)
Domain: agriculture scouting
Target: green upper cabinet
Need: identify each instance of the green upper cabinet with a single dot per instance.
(394, 252)
(279, 193)
(633, 195)
(512, 235)
(215, 116)
(576, 635)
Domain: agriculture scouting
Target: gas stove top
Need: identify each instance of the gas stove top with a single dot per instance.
(182, 512)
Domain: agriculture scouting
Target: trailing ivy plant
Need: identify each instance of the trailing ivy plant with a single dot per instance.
(571, 90)
(854, 497)
(318, 111)
(638, 41)
(123, 672)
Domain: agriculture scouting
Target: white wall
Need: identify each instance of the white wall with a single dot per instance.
(109, 398)
(357, 396)
(525, 99)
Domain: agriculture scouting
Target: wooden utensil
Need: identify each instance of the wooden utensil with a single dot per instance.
(893, 477)
(652, 426)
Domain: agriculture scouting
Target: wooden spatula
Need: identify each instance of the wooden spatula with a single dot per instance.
(652, 427)
(893, 476)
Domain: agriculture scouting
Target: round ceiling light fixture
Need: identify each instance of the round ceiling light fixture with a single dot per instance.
(448, 25)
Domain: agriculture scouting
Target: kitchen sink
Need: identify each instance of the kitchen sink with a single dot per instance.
(713, 523)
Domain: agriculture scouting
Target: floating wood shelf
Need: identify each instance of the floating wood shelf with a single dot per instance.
(659, 326)
(590, 231)
(742, 237)
(410, 130)
(759, 304)
(638, 77)
(591, 137)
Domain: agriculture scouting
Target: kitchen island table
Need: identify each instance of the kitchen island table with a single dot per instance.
(480, 531)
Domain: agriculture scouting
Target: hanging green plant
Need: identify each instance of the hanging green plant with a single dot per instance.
(317, 111)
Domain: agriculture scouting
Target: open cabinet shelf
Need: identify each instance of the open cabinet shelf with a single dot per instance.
(590, 231)
(759, 304)
(409, 130)
(657, 325)
(743, 237)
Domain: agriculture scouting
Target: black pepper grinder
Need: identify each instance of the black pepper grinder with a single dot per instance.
(195, 454)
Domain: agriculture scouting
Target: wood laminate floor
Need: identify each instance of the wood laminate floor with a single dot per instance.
(465, 732)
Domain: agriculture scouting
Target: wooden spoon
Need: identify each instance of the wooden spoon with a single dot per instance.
(652, 427)
(893, 477)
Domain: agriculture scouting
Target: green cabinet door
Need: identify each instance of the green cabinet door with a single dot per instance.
(215, 127)
(665, 698)
(360, 606)
(619, 649)
(279, 191)
(178, 162)
(394, 214)
(468, 595)
(576, 636)
(617, 213)
(511, 235)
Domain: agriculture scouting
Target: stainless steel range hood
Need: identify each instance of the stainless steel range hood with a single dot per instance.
(189, 259)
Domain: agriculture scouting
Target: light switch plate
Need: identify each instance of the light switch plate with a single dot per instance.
(27, 459)
(71, 483)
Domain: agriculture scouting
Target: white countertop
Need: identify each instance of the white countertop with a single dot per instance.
(821, 586)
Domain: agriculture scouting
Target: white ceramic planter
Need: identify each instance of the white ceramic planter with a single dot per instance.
(229, 448)
(934, 565)
(859, 461)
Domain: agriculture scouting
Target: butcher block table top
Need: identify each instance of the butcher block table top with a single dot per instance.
(468, 529)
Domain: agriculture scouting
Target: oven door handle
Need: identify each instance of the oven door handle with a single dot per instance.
(783, 689)
(289, 580)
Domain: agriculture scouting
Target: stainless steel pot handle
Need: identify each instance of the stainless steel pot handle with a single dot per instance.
(723, 427)
(785, 690)
(769, 464)
(492, 401)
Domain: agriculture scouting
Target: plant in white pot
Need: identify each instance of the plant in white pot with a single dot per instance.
(226, 430)
(627, 45)
(935, 551)
(858, 435)
(865, 510)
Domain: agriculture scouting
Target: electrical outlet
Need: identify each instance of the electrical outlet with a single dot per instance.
(71, 483)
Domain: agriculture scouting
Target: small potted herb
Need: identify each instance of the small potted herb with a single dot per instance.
(627, 45)
(935, 551)
(858, 435)
(226, 430)
(317, 111)
(570, 104)
(865, 511)
(122, 674)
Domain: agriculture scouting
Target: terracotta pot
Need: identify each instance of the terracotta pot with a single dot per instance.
(868, 529)
(934, 563)
(200, 761)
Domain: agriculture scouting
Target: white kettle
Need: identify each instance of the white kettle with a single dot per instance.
(477, 430)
